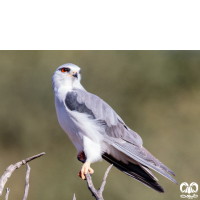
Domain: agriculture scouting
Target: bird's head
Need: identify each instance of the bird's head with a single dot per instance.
(67, 75)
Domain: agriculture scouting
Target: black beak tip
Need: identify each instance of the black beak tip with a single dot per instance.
(75, 75)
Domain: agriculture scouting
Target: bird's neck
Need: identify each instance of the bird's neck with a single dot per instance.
(61, 92)
(61, 88)
(77, 85)
(59, 84)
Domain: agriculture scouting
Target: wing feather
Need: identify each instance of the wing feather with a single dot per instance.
(116, 132)
(134, 171)
(147, 159)
(115, 127)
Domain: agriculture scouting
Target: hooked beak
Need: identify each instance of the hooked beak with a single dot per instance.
(75, 75)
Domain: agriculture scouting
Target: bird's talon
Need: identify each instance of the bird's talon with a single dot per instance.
(85, 168)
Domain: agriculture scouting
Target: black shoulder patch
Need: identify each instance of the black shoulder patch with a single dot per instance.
(72, 104)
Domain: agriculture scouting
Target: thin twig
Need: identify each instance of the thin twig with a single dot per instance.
(28, 170)
(7, 193)
(97, 193)
(104, 179)
(74, 197)
(12, 168)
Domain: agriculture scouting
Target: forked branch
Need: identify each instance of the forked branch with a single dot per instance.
(97, 193)
(7, 174)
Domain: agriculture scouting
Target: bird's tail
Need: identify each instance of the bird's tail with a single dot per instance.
(140, 173)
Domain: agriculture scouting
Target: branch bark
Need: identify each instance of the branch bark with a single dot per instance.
(97, 193)
(7, 174)
(74, 197)
(7, 193)
(28, 170)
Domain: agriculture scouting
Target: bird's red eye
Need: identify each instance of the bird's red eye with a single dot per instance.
(64, 69)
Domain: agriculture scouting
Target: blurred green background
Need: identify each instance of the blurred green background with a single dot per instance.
(157, 94)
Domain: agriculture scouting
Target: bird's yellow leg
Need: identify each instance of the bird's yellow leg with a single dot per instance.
(84, 169)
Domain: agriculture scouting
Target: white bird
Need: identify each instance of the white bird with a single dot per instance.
(98, 132)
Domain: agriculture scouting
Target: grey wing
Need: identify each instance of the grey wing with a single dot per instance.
(85, 102)
(115, 132)
(135, 171)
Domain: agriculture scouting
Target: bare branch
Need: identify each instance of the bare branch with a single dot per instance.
(104, 179)
(12, 168)
(74, 197)
(28, 170)
(7, 193)
(97, 194)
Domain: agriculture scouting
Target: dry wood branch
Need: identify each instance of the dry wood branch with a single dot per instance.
(12, 168)
(28, 170)
(7, 193)
(74, 197)
(97, 193)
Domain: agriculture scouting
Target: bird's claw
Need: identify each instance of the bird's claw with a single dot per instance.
(84, 169)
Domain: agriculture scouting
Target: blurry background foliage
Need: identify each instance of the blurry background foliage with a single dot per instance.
(157, 94)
